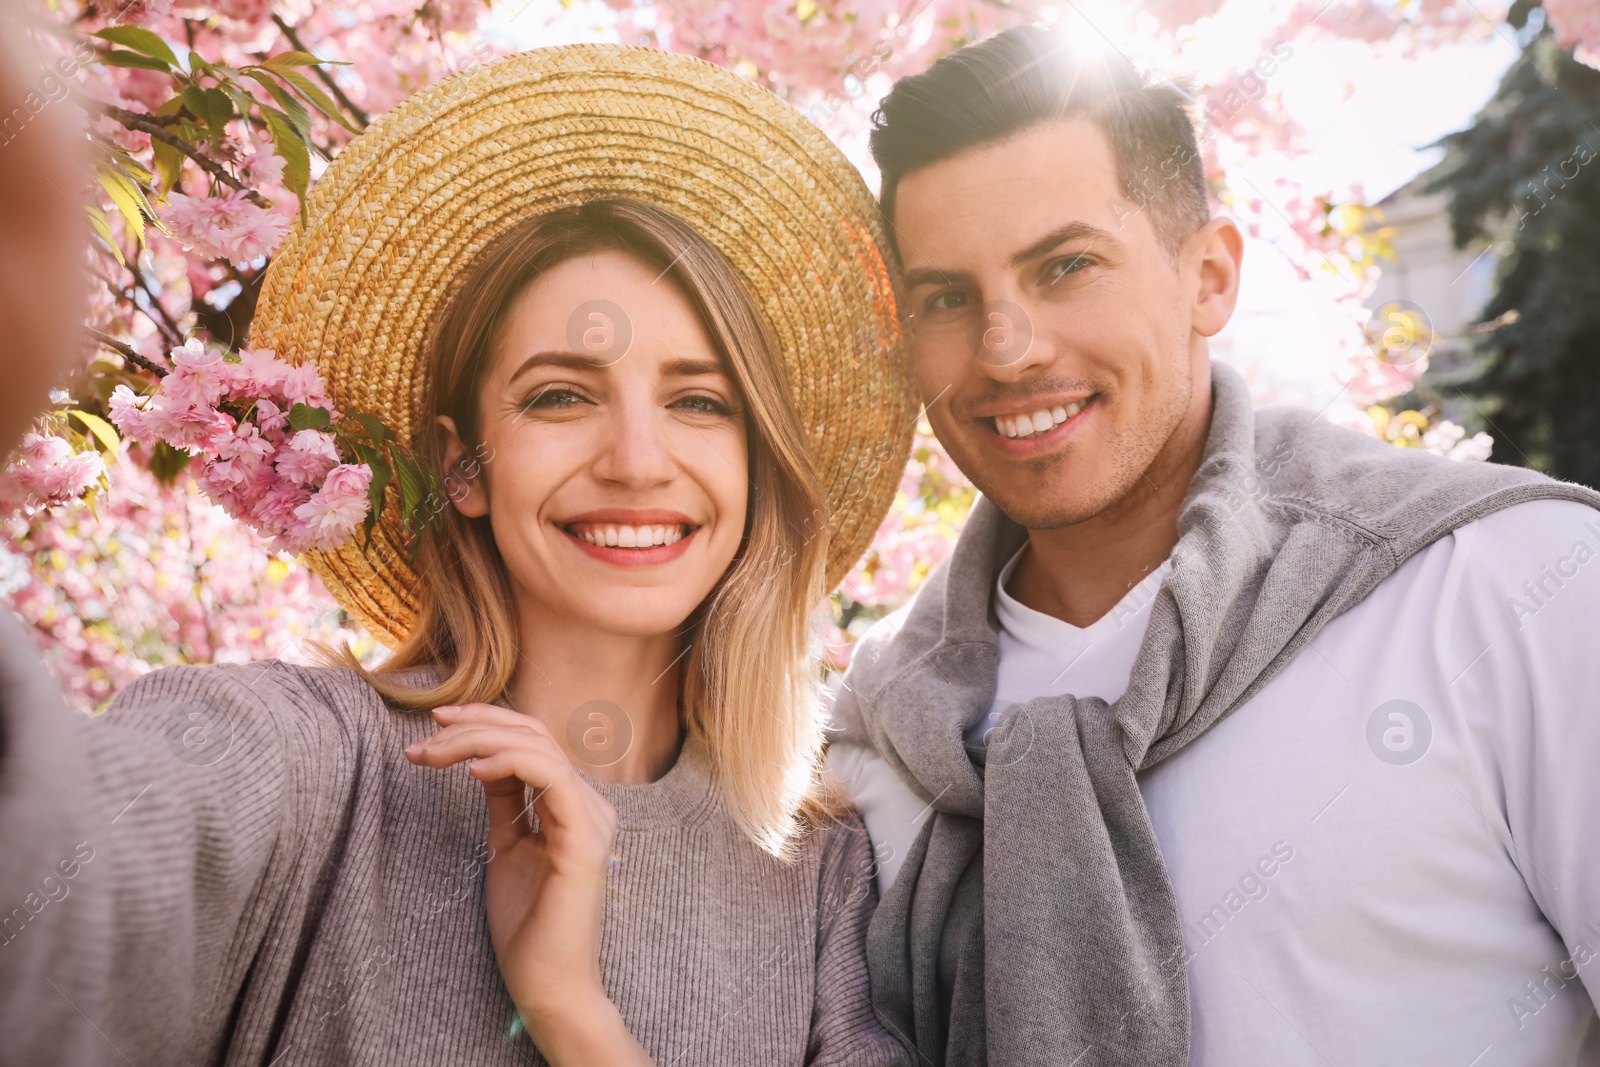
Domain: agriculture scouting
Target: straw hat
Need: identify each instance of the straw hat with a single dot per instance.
(407, 204)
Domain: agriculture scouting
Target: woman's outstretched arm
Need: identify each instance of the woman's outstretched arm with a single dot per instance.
(134, 846)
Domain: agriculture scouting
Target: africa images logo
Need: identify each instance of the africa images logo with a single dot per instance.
(1399, 732)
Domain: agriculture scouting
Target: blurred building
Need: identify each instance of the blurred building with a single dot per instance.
(1450, 285)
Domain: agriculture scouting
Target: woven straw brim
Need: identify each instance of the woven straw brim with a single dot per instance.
(405, 207)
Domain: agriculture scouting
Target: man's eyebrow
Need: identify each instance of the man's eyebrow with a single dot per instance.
(935, 276)
(1072, 231)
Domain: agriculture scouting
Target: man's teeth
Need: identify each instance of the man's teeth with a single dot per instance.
(611, 536)
(1042, 421)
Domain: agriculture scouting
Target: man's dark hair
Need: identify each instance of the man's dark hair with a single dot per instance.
(1029, 75)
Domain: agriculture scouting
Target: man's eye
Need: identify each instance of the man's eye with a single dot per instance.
(1057, 269)
(949, 300)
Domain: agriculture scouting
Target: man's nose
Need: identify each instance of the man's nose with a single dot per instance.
(1005, 343)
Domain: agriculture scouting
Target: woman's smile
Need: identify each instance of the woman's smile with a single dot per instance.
(630, 538)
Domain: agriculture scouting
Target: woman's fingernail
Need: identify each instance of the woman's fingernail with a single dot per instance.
(417, 746)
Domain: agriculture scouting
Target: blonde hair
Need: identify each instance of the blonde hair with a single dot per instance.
(748, 686)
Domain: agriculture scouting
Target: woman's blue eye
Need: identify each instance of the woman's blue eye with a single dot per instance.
(703, 405)
(552, 398)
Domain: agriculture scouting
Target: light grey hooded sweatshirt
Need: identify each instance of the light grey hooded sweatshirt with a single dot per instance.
(1033, 921)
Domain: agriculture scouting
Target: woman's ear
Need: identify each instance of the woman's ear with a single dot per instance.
(463, 478)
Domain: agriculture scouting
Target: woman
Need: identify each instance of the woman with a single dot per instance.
(635, 312)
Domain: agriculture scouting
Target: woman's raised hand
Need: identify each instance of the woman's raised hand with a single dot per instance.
(544, 889)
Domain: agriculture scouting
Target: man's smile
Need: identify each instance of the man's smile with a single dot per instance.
(1034, 425)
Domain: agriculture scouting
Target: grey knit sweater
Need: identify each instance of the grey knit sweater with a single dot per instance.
(237, 865)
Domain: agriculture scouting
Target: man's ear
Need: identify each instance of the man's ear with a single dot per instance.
(1217, 250)
(463, 477)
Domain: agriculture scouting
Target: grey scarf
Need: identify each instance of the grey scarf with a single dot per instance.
(1032, 921)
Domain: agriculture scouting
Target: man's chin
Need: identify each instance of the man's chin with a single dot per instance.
(1027, 507)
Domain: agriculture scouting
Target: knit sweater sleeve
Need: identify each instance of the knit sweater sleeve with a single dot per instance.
(156, 840)
(845, 1030)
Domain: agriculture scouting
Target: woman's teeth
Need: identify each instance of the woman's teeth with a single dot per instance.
(1042, 421)
(610, 536)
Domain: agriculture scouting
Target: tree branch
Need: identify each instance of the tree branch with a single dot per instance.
(127, 352)
(170, 333)
(175, 332)
(324, 76)
(135, 121)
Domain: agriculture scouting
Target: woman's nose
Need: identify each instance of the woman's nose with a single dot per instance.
(634, 452)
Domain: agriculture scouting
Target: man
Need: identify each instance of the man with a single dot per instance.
(1294, 741)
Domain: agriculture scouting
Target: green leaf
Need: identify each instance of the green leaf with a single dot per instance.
(213, 106)
(411, 487)
(373, 458)
(97, 219)
(242, 100)
(297, 114)
(166, 462)
(125, 196)
(101, 429)
(286, 143)
(131, 166)
(169, 166)
(301, 59)
(373, 425)
(134, 183)
(319, 99)
(434, 487)
(140, 40)
(197, 64)
(305, 417)
(118, 58)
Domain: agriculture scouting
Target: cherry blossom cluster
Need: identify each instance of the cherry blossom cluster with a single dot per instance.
(208, 155)
(47, 473)
(240, 416)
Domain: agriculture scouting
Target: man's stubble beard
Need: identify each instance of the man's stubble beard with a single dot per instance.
(1132, 460)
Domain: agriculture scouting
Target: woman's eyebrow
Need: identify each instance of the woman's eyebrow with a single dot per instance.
(571, 360)
(688, 366)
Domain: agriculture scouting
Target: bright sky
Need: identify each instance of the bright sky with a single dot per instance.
(1367, 112)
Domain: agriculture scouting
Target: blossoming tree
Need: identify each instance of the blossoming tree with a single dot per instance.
(212, 117)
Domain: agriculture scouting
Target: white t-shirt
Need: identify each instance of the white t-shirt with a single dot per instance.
(1389, 854)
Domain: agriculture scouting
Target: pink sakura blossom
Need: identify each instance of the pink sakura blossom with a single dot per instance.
(1174, 14)
(47, 472)
(275, 503)
(224, 595)
(246, 11)
(259, 373)
(290, 484)
(334, 511)
(309, 457)
(225, 227)
(1372, 381)
(158, 575)
(1577, 26)
(302, 384)
(265, 166)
